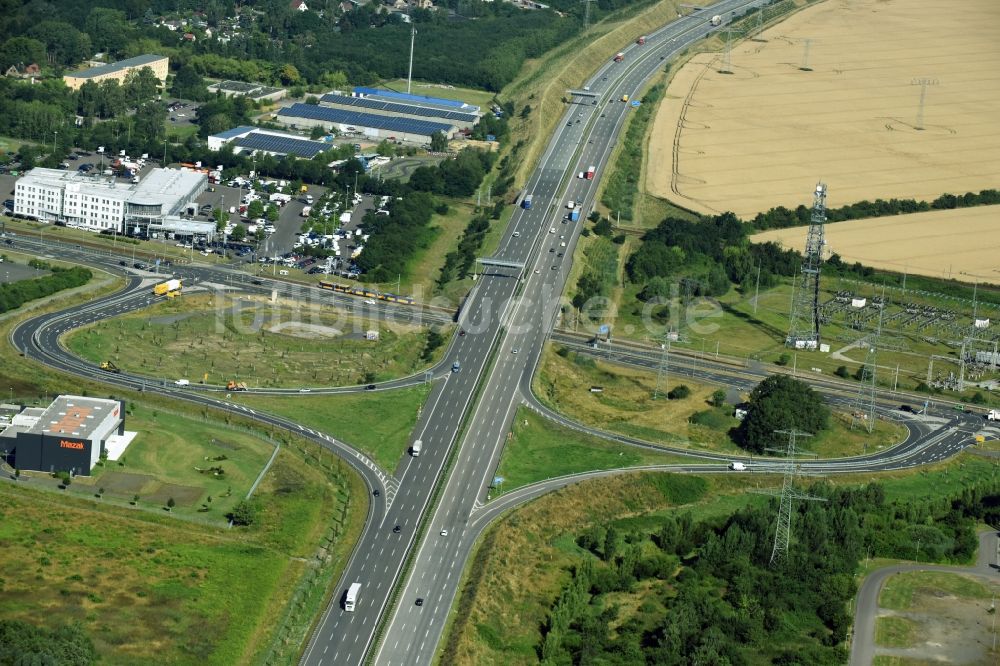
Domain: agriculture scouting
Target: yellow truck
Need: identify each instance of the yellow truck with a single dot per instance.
(170, 288)
(108, 366)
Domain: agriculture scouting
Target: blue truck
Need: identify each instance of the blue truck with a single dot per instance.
(574, 215)
(526, 204)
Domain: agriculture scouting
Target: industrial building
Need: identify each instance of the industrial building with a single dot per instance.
(258, 92)
(119, 70)
(390, 109)
(371, 126)
(99, 203)
(67, 436)
(420, 100)
(247, 139)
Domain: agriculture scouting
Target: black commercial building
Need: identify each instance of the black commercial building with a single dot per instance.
(67, 436)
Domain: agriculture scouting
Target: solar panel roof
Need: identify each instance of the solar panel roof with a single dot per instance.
(343, 117)
(392, 94)
(396, 107)
(282, 144)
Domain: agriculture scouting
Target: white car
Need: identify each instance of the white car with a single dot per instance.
(563, 244)
(370, 301)
(552, 230)
(580, 175)
(516, 234)
(570, 204)
(444, 532)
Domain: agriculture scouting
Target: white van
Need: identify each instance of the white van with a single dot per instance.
(282, 272)
(415, 449)
(183, 382)
(737, 467)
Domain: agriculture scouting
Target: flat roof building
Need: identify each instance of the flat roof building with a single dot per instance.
(255, 91)
(247, 139)
(119, 70)
(98, 203)
(461, 119)
(369, 125)
(67, 436)
(426, 100)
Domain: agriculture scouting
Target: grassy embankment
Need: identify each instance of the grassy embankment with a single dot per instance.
(497, 618)
(246, 338)
(149, 586)
(378, 423)
(626, 406)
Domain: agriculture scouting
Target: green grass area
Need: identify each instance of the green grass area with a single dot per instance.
(891, 631)
(621, 187)
(376, 422)
(626, 406)
(10, 145)
(539, 449)
(151, 588)
(180, 132)
(945, 479)
(173, 457)
(481, 98)
(899, 590)
(424, 267)
(264, 344)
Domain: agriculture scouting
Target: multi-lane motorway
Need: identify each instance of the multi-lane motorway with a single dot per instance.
(506, 321)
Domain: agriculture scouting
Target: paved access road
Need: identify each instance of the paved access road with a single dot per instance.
(866, 608)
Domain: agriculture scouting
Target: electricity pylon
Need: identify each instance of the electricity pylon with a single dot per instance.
(803, 329)
(783, 532)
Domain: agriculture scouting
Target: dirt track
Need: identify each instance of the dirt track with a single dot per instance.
(763, 135)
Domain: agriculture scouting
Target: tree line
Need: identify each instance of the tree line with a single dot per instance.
(781, 217)
(705, 257)
(708, 593)
(15, 294)
(24, 644)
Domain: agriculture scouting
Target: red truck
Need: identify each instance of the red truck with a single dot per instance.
(589, 175)
(641, 40)
(619, 57)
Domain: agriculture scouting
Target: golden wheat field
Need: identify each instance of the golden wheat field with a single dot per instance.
(764, 134)
(963, 244)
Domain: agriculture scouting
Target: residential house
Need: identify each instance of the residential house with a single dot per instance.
(300, 5)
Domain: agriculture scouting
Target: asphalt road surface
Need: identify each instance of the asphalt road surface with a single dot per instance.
(866, 608)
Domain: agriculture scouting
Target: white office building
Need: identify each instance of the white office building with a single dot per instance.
(99, 203)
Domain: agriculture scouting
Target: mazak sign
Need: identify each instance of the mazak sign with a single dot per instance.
(69, 444)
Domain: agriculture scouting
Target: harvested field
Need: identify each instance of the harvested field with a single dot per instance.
(960, 244)
(764, 134)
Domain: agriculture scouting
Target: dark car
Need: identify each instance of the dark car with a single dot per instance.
(552, 249)
(370, 387)
(420, 601)
(123, 263)
(255, 281)
(396, 529)
(461, 332)
(8, 204)
(376, 492)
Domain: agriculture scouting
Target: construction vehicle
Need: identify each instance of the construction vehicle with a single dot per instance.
(170, 288)
(233, 385)
(110, 367)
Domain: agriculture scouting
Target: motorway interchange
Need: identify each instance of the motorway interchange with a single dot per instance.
(440, 501)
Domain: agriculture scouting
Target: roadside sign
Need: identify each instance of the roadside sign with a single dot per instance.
(636, 102)
(497, 480)
(490, 137)
(603, 329)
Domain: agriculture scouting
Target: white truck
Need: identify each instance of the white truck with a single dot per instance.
(715, 20)
(279, 198)
(415, 449)
(993, 415)
(306, 211)
(351, 598)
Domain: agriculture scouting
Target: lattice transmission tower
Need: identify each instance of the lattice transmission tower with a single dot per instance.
(783, 532)
(863, 410)
(803, 330)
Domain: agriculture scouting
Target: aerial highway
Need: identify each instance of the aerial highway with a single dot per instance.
(431, 509)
